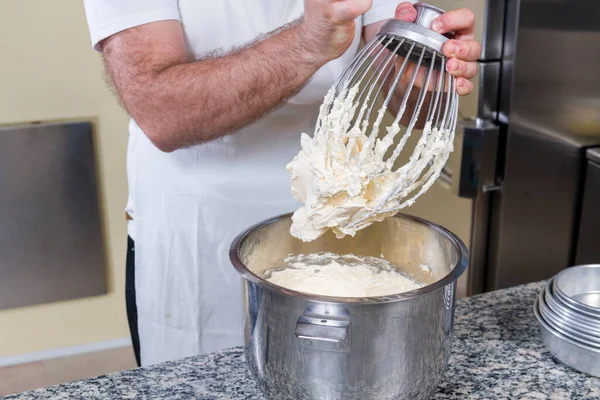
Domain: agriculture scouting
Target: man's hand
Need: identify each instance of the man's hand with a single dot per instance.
(329, 28)
(462, 50)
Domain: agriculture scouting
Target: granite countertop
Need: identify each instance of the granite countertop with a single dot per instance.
(497, 354)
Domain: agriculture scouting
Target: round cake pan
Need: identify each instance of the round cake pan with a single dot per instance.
(582, 358)
(566, 327)
(579, 287)
(570, 321)
(558, 307)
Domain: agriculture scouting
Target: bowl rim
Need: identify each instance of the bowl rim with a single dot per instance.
(451, 277)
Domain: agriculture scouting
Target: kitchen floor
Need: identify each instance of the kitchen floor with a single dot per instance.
(35, 375)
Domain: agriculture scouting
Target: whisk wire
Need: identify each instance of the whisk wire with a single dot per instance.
(360, 58)
(376, 78)
(440, 95)
(415, 116)
(375, 130)
(382, 81)
(359, 77)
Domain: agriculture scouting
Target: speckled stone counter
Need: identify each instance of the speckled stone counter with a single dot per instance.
(497, 354)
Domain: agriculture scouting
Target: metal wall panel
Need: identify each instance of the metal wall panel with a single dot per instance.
(536, 215)
(51, 237)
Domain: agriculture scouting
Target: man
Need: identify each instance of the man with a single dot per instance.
(191, 73)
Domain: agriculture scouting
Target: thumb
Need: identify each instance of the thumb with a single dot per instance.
(406, 12)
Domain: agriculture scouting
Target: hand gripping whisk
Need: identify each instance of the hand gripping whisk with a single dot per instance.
(354, 181)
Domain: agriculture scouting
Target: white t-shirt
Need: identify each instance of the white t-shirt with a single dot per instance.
(188, 205)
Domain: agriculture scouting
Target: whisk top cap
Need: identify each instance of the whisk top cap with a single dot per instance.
(426, 14)
(418, 32)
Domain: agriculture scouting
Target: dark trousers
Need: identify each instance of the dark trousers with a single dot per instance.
(130, 301)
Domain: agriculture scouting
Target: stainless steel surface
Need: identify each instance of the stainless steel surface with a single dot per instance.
(537, 209)
(492, 26)
(580, 287)
(588, 251)
(488, 90)
(51, 236)
(507, 69)
(485, 140)
(536, 215)
(583, 358)
(593, 155)
(324, 332)
(317, 347)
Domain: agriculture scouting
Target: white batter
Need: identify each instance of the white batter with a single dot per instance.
(329, 274)
(343, 177)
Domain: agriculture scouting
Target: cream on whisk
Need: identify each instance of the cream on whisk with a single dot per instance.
(344, 174)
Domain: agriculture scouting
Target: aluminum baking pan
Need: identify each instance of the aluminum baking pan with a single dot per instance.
(565, 327)
(577, 356)
(581, 320)
(579, 288)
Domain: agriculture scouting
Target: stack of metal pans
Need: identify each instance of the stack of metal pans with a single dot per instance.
(568, 310)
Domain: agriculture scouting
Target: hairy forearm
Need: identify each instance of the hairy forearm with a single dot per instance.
(190, 102)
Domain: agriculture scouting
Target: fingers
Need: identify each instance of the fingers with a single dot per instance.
(461, 21)
(461, 68)
(406, 12)
(463, 50)
(463, 86)
(468, 50)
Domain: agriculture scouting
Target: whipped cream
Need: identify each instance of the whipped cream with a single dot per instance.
(329, 274)
(344, 174)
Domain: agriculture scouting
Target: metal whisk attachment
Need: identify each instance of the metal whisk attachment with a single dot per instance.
(404, 58)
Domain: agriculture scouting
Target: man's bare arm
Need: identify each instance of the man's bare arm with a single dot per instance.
(180, 102)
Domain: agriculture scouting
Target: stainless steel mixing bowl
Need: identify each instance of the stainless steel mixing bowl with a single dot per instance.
(304, 346)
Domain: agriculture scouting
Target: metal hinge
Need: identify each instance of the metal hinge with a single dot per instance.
(492, 187)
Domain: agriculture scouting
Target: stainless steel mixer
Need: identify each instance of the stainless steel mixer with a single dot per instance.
(302, 346)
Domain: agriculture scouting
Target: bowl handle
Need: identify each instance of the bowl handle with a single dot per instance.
(324, 332)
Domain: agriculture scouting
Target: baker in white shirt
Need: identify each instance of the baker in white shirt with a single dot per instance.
(219, 93)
